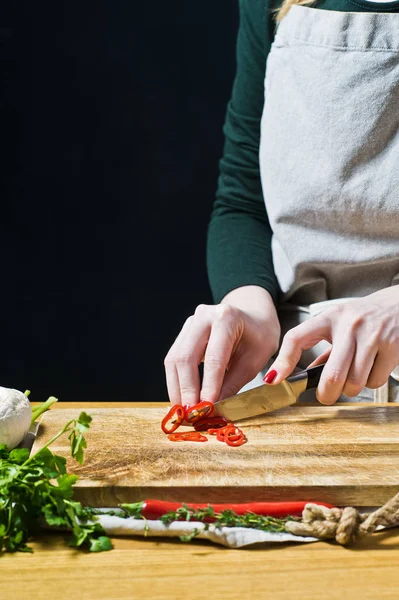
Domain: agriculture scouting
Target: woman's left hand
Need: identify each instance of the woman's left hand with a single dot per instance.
(364, 338)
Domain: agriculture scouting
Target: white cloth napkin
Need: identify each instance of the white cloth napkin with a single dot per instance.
(232, 537)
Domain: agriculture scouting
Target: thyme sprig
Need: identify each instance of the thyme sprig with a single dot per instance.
(227, 518)
(208, 516)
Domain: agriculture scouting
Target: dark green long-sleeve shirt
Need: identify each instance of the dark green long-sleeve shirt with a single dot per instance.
(239, 234)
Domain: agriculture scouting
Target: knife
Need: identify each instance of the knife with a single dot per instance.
(30, 437)
(266, 398)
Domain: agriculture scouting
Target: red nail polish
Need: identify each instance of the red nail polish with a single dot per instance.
(270, 376)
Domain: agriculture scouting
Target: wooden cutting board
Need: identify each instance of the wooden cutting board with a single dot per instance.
(346, 455)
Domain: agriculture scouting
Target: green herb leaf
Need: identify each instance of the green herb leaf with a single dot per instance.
(4, 452)
(60, 463)
(19, 455)
(100, 544)
(226, 518)
(83, 423)
(133, 510)
(190, 536)
(37, 488)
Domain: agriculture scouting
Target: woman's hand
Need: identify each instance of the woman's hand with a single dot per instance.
(364, 338)
(234, 339)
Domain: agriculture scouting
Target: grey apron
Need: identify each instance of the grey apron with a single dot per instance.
(329, 159)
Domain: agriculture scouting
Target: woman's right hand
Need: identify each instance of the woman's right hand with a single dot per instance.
(234, 339)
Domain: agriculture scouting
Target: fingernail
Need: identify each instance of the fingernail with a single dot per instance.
(270, 376)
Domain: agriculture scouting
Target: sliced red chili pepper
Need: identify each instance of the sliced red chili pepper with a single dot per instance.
(198, 411)
(173, 419)
(221, 433)
(234, 437)
(206, 422)
(187, 436)
(192, 435)
(238, 442)
(230, 433)
(199, 417)
(175, 437)
(233, 434)
(231, 429)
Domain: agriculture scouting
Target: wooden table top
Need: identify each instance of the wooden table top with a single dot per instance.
(147, 569)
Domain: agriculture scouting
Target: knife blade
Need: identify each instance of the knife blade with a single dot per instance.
(30, 437)
(266, 398)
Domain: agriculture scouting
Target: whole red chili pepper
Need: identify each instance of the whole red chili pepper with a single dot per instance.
(173, 419)
(153, 509)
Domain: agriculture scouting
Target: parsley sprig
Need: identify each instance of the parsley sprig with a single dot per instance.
(36, 489)
(39, 410)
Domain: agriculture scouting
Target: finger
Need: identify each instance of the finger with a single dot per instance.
(172, 379)
(320, 360)
(300, 338)
(335, 372)
(240, 372)
(384, 364)
(223, 340)
(190, 351)
(360, 368)
(172, 384)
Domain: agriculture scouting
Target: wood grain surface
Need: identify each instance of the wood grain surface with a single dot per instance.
(139, 569)
(345, 454)
(166, 569)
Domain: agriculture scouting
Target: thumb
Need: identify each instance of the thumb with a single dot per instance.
(300, 338)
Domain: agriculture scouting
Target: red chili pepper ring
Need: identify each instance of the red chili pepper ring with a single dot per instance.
(187, 436)
(173, 419)
(199, 411)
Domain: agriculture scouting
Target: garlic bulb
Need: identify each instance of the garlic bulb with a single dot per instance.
(15, 417)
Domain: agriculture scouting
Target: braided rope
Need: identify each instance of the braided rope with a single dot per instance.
(343, 524)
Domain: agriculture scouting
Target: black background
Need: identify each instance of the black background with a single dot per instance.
(111, 132)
